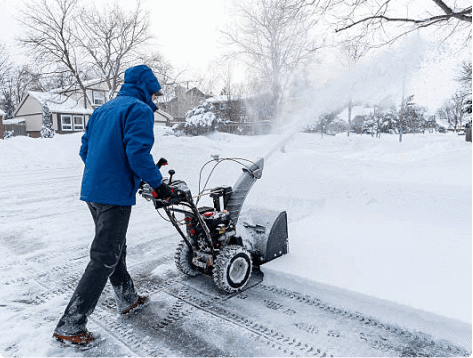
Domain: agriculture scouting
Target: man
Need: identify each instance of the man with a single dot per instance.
(116, 152)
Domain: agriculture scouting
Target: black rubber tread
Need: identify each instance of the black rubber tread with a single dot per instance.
(222, 264)
(183, 260)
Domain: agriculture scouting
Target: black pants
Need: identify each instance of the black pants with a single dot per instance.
(107, 261)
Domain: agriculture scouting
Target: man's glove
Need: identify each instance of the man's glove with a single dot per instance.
(163, 192)
(161, 162)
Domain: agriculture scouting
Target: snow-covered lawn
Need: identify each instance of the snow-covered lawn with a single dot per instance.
(369, 215)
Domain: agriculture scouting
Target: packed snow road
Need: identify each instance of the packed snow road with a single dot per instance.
(188, 317)
(45, 233)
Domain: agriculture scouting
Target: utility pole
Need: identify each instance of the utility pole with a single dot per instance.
(350, 104)
(402, 106)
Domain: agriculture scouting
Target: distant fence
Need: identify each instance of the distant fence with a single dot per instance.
(245, 128)
(14, 128)
(248, 128)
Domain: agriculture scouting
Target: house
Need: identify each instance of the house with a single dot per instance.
(96, 93)
(163, 118)
(356, 111)
(182, 102)
(70, 108)
(231, 108)
(244, 115)
(67, 114)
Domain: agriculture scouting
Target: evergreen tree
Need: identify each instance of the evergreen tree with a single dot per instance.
(201, 120)
(8, 106)
(47, 130)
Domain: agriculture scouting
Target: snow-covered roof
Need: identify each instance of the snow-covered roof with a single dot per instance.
(14, 121)
(218, 99)
(169, 98)
(443, 122)
(164, 114)
(355, 111)
(59, 103)
(225, 98)
(92, 82)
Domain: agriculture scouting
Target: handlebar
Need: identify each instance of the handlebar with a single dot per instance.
(179, 192)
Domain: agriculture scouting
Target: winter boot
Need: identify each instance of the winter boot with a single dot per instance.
(141, 302)
(83, 338)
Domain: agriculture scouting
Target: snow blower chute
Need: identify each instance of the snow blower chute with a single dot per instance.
(210, 244)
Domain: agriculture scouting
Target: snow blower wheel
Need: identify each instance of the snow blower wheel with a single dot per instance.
(232, 269)
(183, 260)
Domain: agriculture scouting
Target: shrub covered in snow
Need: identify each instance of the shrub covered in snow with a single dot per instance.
(378, 120)
(200, 120)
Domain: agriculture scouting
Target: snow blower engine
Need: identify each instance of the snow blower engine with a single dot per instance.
(210, 244)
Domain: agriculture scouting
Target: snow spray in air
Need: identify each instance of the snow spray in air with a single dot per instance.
(376, 82)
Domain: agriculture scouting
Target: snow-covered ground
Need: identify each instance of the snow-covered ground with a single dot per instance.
(374, 224)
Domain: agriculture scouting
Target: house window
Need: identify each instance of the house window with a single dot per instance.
(72, 122)
(98, 97)
(78, 123)
(66, 123)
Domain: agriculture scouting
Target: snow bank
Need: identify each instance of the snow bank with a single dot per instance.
(387, 219)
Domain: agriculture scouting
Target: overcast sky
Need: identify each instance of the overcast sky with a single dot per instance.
(187, 34)
(186, 30)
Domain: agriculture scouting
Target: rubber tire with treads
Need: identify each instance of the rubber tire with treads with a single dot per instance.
(183, 260)
(232, 269)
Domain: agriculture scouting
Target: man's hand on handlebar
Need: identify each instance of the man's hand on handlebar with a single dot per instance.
(163, 192)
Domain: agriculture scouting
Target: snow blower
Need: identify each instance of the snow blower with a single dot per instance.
(210, 244)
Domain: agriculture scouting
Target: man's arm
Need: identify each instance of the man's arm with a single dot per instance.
(139, 140)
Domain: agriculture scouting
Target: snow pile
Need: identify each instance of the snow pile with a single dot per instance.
(387, 219)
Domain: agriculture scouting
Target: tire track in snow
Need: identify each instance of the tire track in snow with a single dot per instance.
(285, 322)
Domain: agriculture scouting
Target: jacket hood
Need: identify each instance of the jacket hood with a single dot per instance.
(140, 82)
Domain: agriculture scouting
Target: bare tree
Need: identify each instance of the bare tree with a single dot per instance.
(465, 81)
(5, 70)
(52, 35)
(112, 37)
(5, 63)
(354, 50)
(274, 39)
(78, 39)
(15, 85)
(374, 16)
(465, 76)
(452, 111)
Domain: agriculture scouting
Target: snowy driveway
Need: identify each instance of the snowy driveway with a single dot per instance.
(45, 232)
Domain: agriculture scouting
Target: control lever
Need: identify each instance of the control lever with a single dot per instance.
(171, 173)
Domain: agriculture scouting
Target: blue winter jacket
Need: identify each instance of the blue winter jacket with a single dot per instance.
(117, 143)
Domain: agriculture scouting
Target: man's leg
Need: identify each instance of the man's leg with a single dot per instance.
(125, 294)
(111, 224)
